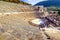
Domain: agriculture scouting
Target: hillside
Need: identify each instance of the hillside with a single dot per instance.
(49, 3)
(16, 1)
(14, 23)
(15, 26)
(13, 7)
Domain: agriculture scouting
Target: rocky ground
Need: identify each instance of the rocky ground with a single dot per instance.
(16, 26)
(13, 27)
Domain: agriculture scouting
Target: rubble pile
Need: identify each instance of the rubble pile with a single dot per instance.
(54, 20)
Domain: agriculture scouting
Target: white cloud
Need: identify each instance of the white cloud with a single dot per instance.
(33, 1)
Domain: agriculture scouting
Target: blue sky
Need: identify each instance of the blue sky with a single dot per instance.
(33, 1)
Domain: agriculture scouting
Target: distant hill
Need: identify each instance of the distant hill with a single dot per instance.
(49, 3)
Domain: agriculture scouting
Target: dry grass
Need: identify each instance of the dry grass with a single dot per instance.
(53, 33)
(15, 25)
(13, 7)
(2, 37)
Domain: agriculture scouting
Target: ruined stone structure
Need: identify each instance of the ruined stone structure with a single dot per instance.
(42, 10)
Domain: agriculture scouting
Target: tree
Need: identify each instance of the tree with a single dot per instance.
(16, 1)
